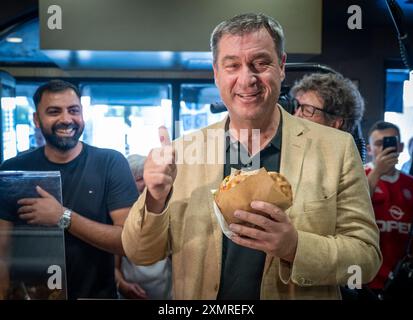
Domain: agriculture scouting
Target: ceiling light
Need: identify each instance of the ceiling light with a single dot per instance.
(14, 40)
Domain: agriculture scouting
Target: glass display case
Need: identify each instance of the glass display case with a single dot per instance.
(32, 257)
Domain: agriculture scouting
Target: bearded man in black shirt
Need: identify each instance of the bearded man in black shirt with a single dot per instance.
(97, 190)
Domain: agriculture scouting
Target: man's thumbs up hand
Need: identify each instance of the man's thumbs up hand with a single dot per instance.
(159, 173)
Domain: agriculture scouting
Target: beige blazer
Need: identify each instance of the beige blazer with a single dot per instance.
(331, 210)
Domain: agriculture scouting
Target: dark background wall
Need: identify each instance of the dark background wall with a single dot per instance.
(362, 55)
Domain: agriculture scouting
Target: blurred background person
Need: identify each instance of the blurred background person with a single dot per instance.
(392, 195)
(142, 282)
(136, 163)
(329, 99)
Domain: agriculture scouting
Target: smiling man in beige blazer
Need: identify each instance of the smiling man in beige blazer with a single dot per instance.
(328, 235)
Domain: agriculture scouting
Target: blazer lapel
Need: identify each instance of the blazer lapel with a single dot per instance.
(293, 149)
(214, 173)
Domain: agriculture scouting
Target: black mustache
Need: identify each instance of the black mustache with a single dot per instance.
(62, 126)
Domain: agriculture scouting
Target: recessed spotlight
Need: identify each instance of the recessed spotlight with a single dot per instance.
(14, 39)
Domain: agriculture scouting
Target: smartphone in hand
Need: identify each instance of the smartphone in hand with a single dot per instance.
(389, 142)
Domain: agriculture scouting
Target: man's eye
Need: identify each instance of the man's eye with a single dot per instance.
(261, 64)
(231, 66)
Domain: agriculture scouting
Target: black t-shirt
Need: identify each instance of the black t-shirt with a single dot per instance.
(93, 184)
(242, 267)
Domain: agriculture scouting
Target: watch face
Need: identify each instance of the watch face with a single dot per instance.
(64, 220)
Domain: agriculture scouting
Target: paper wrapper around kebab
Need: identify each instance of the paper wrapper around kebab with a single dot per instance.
(259, 186)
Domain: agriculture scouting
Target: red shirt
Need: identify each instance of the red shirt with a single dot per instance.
(393, 208)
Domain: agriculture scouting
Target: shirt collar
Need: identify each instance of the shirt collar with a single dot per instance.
(274, 142)
(391, 179)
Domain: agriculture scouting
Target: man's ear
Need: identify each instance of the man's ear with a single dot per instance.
(369, 151)
(282, 66)
(337, 123)
(215, 68)
(36, 120)
(400, 148)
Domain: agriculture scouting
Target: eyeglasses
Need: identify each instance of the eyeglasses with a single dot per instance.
(308, 110)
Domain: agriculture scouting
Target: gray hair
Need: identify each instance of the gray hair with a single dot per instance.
(340, 95)
(245, 24)
(136, 163)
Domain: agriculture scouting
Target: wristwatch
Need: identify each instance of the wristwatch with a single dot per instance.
(65, 219)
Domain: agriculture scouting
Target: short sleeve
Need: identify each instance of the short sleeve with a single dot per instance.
(121, 189)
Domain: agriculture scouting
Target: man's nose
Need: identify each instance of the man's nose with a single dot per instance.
(247, 77)
(66, 117)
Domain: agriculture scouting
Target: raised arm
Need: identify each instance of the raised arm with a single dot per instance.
(145, 236)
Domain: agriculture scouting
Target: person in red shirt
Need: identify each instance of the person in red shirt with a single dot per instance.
(392, 196)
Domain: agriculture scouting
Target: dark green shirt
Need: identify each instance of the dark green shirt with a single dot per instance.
(242, 267)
